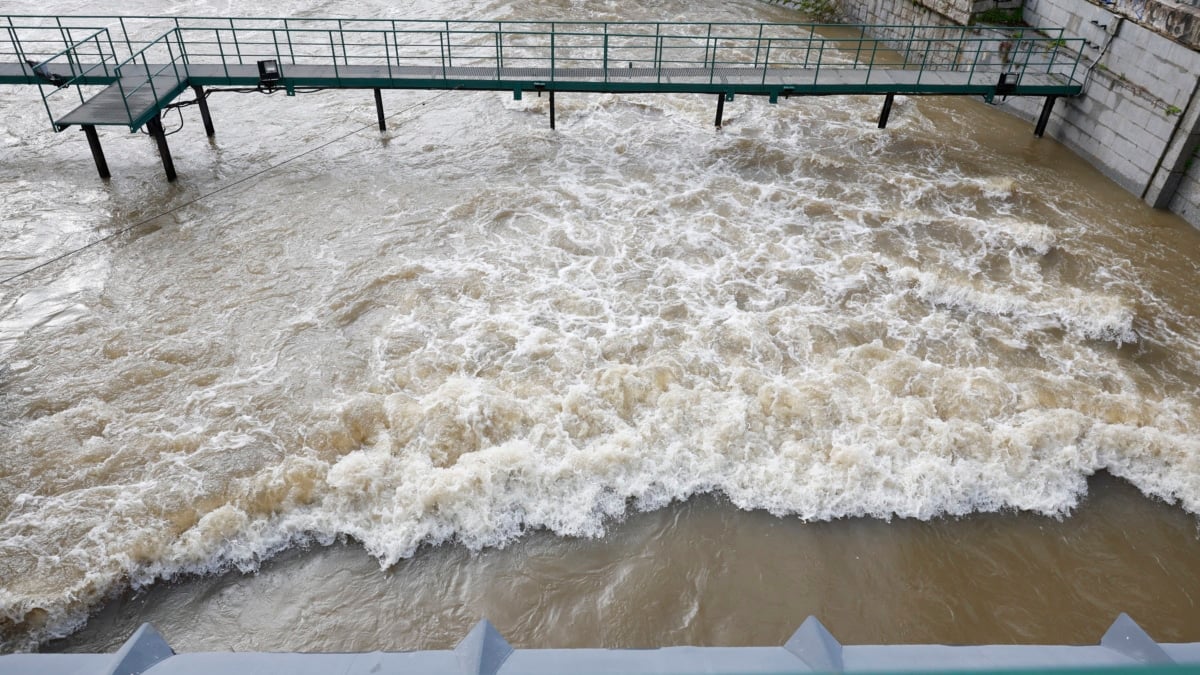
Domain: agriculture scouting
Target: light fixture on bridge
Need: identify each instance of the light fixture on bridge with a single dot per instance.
(268, 74)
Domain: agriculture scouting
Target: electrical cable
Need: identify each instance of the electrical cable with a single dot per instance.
(219, 190)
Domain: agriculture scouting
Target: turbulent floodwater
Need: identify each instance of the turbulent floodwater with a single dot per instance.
(472, 328)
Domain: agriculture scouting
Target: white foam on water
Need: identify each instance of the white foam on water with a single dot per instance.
(481, 327)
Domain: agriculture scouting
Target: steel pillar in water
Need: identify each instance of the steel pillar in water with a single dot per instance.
(1044, 118)
(552, 109)
(379, 109)
(887, 110)
(720, 110)
(209, 130)
(160, 138)
(97, 151)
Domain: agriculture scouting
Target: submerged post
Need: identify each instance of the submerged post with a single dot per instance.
(97, 151)
(204, 114)
(160, 137)
(887, 110)
(379, 109)
(720, 109)
(1044, 118)
(552, 109)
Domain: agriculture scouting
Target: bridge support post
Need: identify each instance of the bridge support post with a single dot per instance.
(160, 137)
(379, 109)
(720, 110)
(204, 114)
(97, 151)
(551, 109)
(887, 110)
(1044, 118)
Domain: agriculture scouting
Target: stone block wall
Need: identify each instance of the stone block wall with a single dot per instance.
(1138, 120)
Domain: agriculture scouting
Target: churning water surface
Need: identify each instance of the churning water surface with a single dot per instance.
(473, 367)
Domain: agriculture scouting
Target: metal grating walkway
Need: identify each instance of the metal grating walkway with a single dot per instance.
(95, 71)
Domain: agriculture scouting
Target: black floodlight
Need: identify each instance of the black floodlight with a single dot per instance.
(268, 74)
(1007, 83)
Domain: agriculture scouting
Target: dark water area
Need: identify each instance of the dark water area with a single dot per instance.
(706, 573)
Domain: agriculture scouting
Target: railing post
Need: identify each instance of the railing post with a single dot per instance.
(766, 64)
(12, 31)
(758, 45)
(449, 57)
(291, 50)
(342, 38)
(171, 55)
(182, 46)
(236, 45)
(221, 51)
(125, 32)
(658, 57)
(820, 58)
(552, 60)
(707, 42)
(871, 65)
(658, 51)
(396, 44)
(712, 71)
(442, 49)
(337, 75)
(975, 63)
(606, 52)
(924, 59)
(149, 77)
(125, 98)
(499, 56)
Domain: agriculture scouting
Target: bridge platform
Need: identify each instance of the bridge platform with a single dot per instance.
(92, 71)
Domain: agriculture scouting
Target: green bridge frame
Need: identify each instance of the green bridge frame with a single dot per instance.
(92, 71)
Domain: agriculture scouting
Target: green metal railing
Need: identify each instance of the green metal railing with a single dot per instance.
(156, 72)
(607, 56)
(85, 61)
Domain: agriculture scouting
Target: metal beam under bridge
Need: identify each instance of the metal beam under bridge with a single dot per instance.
(97, 71)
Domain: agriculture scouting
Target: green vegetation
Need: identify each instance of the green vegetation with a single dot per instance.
(820, 11)
(1172, 110)
(997, 16)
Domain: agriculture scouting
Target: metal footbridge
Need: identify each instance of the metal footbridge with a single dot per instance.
(104, 71)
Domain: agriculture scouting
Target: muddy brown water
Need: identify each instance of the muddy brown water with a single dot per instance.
(630, 383)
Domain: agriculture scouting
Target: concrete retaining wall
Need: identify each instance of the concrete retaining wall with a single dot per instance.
(1138, 120)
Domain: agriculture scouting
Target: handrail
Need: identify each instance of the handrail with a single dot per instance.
(171, 64)
(79, 73)
(776, 58)
(351, 45)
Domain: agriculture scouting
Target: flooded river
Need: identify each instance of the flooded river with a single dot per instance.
(633, 382)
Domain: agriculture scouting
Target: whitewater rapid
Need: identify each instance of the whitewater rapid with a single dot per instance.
(472, 327)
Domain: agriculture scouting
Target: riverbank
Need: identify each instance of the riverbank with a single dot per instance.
(1138, 120)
